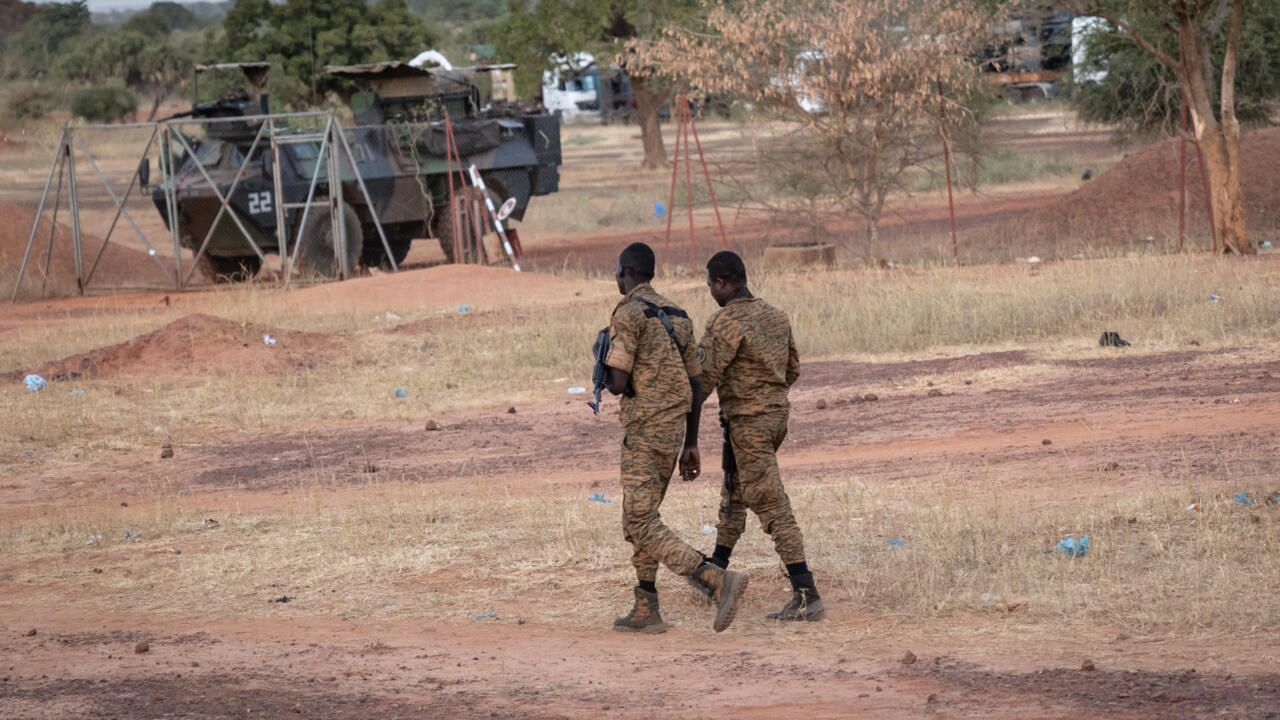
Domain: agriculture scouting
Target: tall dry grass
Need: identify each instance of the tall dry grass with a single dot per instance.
(518, 355)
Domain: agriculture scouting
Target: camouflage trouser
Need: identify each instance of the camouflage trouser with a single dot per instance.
(752, 481)
(649, 456)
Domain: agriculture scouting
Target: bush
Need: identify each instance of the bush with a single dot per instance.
(29, 102)
(103, 104)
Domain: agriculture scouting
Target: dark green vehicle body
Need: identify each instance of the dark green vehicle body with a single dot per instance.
(398, 150)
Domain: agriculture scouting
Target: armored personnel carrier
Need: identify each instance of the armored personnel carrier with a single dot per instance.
(399, 150)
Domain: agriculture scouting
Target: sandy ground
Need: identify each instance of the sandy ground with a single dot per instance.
(1117, 423)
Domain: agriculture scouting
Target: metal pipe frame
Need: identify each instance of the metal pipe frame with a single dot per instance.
(119, 203)
(222, 199)
(282, 232)
(337, 222)
(235, 182)
(44, 196)
(53, 229)
(322, 156)
(166, 132)
(373, 213)
(74, 198)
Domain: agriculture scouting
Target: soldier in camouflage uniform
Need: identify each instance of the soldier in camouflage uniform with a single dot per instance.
(750, 360)
(656, 370)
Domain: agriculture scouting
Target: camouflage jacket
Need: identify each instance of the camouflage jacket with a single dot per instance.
(640, 345)
(749, 356)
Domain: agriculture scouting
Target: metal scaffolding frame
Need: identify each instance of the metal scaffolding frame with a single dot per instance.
(274, 128)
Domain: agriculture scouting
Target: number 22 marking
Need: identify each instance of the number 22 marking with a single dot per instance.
(259, 202)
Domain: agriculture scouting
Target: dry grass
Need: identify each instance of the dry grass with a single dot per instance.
(1057, 310)
(1154, 567)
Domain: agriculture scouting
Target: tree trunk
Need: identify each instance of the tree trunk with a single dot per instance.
(648, 101)
(155, 104)
(873, 235)
(1219, 143)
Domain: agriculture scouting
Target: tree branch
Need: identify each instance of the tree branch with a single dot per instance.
(1216, 25)
(1141, 41)
(1227, 100)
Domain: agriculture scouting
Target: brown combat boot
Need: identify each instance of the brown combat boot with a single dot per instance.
(727, 587)
(705, 591)
(644, 617)
(805, 604)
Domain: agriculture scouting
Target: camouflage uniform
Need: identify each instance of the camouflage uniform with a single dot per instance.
(653, 422)
(750, 359)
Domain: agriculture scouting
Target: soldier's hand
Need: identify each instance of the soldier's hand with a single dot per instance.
(690, 463)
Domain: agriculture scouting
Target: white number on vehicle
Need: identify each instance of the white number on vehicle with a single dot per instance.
(259, 202)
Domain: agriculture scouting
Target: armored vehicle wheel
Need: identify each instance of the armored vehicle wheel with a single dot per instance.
(400, 239)
(229, 269)
(472, 246)
(316, 253)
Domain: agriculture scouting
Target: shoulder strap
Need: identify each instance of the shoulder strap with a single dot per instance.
(664, 315)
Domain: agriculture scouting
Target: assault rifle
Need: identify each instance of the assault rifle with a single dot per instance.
(600, 375)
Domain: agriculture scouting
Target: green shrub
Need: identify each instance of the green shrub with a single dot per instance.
(103, 104)
(29, 102)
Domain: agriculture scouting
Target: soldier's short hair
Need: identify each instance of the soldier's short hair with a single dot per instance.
(639, 259)
(727, 265)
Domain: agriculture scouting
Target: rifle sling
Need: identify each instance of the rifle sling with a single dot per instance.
(664, 314)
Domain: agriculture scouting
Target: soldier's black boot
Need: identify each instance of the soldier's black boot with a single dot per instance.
(644, 616)
(805, 604)
(727, 587)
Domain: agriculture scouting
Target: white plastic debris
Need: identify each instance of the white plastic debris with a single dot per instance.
(577, 390)
(268, 340)
(35, 383)
(708, 530)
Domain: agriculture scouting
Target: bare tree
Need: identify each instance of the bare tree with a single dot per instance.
(1182, 38)
(867, 81)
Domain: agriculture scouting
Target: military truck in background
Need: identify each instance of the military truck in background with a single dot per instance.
(399, 150)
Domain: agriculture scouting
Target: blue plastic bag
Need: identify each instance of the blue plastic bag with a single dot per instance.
(659, 210)
(896, 542)
(1074, 547)
(598, 497)
(35, 383)
(400, 392)
(1244, 499)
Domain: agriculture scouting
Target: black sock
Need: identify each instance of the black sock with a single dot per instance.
(648, 586)
(799, 568)
(720, 556)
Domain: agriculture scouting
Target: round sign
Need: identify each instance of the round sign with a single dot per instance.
(507, 208)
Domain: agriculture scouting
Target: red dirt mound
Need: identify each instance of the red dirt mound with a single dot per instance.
(1138, 198)
(201, 343)
(119, 265)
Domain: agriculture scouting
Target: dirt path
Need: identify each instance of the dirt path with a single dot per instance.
(504, 667)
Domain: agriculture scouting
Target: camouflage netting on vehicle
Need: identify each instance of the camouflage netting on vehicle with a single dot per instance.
(471, 136)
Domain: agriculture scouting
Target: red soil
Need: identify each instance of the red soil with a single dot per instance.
(1138, 198)
(118, 266)
(201, 344)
